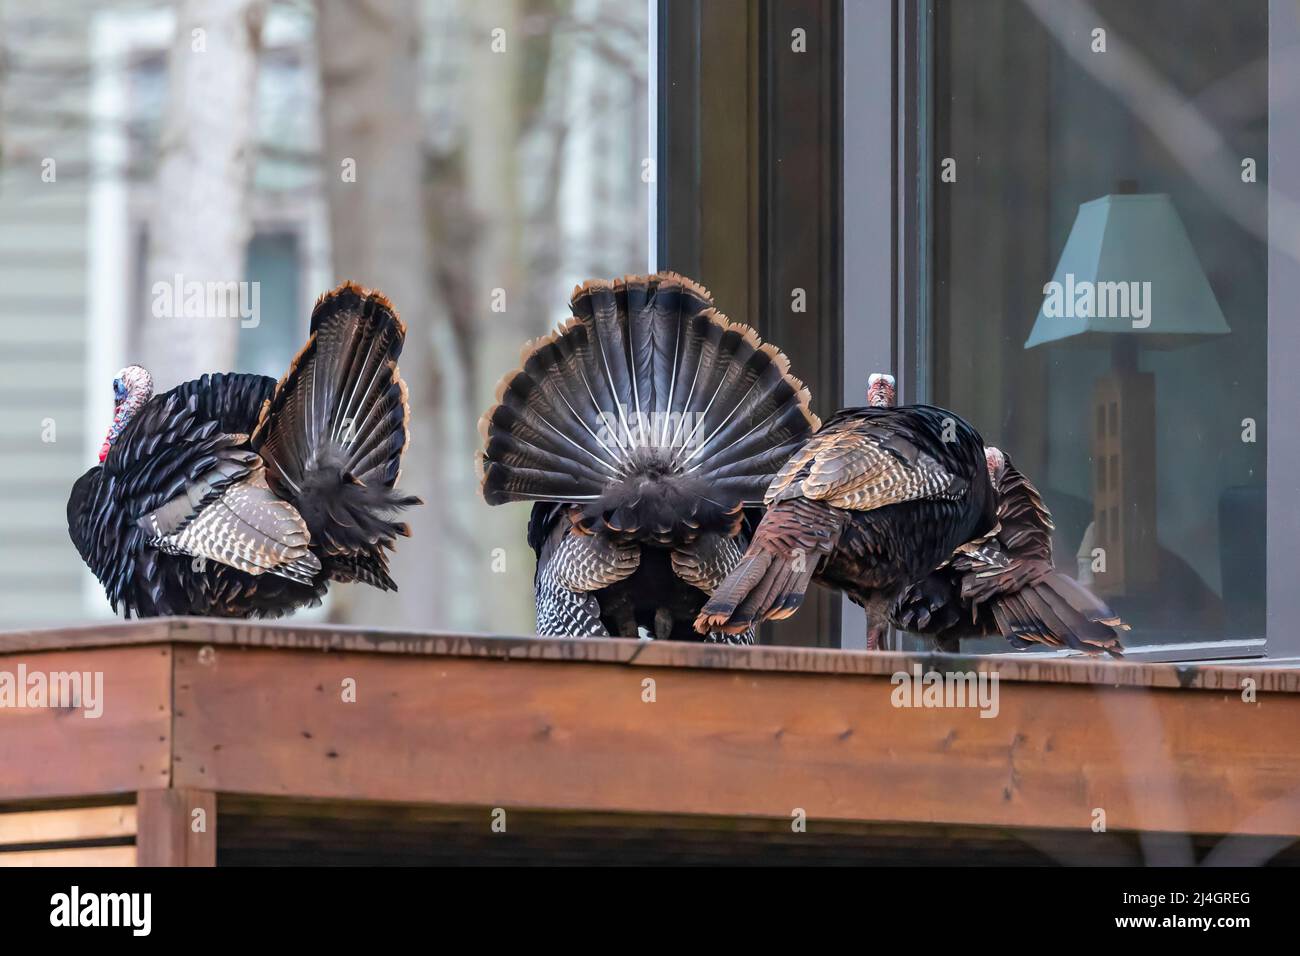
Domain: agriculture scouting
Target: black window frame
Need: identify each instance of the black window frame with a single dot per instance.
(748, 200)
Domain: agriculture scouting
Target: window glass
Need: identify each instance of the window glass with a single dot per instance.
(473, 160)
(272, 264)
(1119, 146)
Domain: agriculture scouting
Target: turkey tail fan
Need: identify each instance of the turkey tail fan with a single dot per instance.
(649, 407)
(1058, 611)
(334, 432)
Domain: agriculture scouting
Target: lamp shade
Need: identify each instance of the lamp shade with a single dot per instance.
(1128, 268)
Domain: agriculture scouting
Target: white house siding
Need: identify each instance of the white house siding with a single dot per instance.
(43, 341)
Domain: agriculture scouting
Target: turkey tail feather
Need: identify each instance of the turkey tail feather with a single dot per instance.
(334, 432)
(764, 586)
(1058, 611)
(772, 578)
(648, 402)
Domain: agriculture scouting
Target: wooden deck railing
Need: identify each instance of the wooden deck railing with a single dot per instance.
(200, 715)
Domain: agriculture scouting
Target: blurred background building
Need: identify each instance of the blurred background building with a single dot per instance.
(473, 160)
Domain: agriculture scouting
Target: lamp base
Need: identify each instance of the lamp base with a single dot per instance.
(1124, 481)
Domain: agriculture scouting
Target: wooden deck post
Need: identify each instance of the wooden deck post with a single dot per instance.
(176, 828)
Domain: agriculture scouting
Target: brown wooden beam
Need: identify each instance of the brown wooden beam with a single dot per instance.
(177, 827)
(70, 825)
(1036, 668)
(556, 725)
(115, 856)
(536, 734)
(49, 752)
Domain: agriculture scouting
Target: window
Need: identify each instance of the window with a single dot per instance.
(273, 264)
(964, 157)
(1108, 152)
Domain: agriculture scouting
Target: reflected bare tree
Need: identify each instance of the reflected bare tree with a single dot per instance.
(1179, 123)
(205, 159)
(373, 170)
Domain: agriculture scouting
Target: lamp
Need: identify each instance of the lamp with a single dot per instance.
(1128, 276)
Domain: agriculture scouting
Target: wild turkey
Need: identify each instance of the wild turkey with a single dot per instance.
(234, 496)
(642, 428)
(873, 502)
(1000, 580)
(1006, 583)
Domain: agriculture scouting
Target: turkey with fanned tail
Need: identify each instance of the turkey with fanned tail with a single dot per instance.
(644, 429)
(236, 496)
